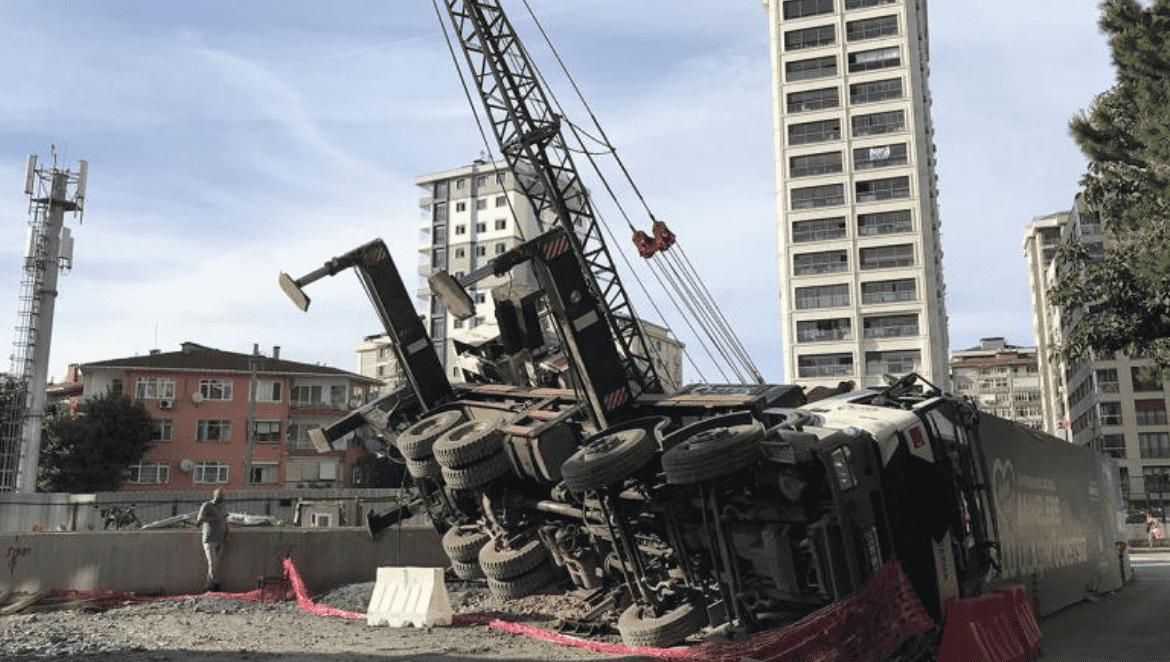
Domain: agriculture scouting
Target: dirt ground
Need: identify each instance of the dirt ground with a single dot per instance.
(195, 629)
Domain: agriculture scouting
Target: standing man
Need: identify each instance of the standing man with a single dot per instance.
(213, 517)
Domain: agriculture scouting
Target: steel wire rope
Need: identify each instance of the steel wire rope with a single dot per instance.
(633, 185)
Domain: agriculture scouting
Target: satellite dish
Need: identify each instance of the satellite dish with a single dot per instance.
(196, 397)
(187, 465)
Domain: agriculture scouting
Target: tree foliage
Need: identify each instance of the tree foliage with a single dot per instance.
(1125, 133)
(93, 452)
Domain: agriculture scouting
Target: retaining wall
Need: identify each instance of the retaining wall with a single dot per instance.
(171, 562)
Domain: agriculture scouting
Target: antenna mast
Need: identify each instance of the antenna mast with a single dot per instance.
(48, 251)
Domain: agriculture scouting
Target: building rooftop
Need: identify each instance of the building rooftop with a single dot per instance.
(196, 357)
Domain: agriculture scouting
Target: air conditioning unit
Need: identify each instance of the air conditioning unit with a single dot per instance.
(187, 465)
(165, 403)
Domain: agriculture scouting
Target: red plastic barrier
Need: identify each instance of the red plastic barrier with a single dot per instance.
(997, 627)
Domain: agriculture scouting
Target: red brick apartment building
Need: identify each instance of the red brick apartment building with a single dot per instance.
(199, 399)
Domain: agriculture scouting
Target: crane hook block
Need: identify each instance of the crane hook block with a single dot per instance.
(646, 246)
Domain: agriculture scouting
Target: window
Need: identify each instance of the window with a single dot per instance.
(460, 252)
(892, 326)
(1113, 445)
(116, 386)
(150, 473)
(1106, 380)
(161, 433)
(440, 212)
(215, 389)
(263, 473)
(876, 124)
(480, 180)
(501, 201)
(814, 132)
(460, 229)
(822, 35)
(1157, 481)
(460, 206)
(501, 224)
(889, 291)
(886, 222)
(824, 365)
(897, 362)
(879, 156)
(871, 28)
(814, 164)
(213, 430)
(460, 183)
(818, 196)
(817, 67)
(296, 437)
(883, 189)
(273, 391)
(798, 8)
(878, 58)
(1145, 378)
(1152, 444)
(210, 472)
(481, 227)
(858, 4)
(305, 396)
(823, 262)
(873, 91)
(799, 102)
(818, 230)
(337, 396)
(501, 248)
(480, 251)
(822, 296)
(1150, 412)
(887, 257)
(1109, 413)
(266, 432)
(481, 203)
(501, 177)
(824, 330)
(152, 388)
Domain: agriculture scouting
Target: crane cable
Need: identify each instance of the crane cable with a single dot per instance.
(684, 263)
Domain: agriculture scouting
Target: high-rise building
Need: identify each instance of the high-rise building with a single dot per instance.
(1039, 246)
(1003, 379)
(862, 292)
(1113, 403)
(471, 215)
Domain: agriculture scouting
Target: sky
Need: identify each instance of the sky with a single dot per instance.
(230, 141)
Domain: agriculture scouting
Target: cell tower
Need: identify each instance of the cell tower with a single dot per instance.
(48, 251)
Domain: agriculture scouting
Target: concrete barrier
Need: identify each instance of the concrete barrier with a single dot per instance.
(171, 562)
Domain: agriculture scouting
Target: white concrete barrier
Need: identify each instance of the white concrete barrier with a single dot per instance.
(409, 595)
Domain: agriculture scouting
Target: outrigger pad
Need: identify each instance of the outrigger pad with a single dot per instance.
(294, 291)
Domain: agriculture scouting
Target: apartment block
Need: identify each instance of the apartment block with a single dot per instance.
(1003, 379)
(862, 292)
(1113, 403)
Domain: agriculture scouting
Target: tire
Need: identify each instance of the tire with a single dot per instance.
(416, 442)
(712, 454)
(479, 474)
(424, 468)
(608, 459)
(468, 443)
(462, 544)
(639, 629)
(502, 563)
(467, 571)
(527, 584)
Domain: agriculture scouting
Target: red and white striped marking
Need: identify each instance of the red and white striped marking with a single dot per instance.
(556, 247)
(616, 399)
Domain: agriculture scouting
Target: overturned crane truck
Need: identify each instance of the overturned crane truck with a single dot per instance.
(734, 507)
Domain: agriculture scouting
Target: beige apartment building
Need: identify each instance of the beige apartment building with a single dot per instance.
(1003, 379)
(862, 292)
(1112, 403)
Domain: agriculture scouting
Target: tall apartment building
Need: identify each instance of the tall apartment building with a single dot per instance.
(861, 277)
(1004, 379)
(469, 216)
(1113, 403)
(1039, 245)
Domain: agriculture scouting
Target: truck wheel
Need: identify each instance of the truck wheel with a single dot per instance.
(639, 627)
(462, 543)
(467, 571)
(523, 585)
(607, 459)
(468, 443)
(503, 563)
(478, 474)
(416, 442)
(713, 454)
(424, 468)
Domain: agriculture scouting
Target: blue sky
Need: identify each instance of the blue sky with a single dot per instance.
(229, 141)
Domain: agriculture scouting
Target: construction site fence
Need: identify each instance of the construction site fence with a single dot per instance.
(318, 508)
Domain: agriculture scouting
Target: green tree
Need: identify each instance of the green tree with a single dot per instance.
(1125, 134)
(92, 453)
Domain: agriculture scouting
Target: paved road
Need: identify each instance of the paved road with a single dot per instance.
(1130, 625)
